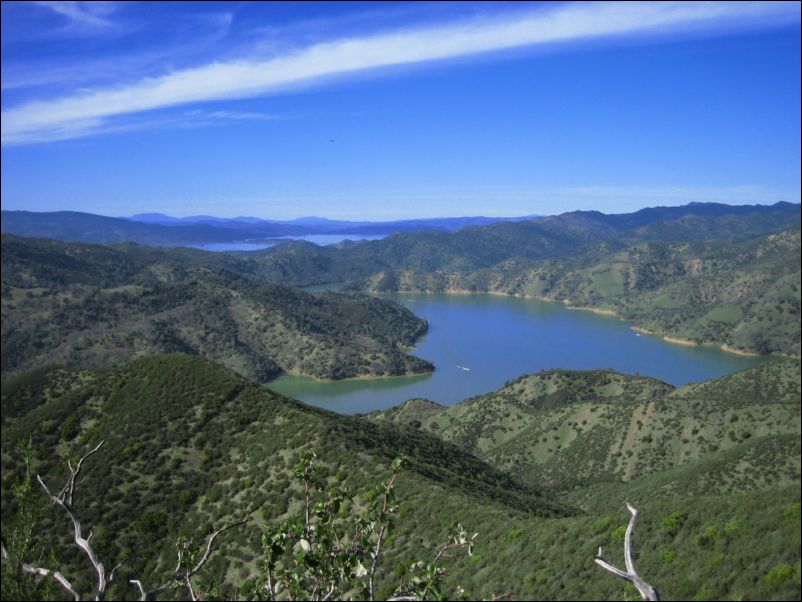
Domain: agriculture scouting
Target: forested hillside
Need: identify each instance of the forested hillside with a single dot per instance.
(192, 446)
(702, 273)
(95, 306)
(565, 429)
(744, 295)
(540, 468)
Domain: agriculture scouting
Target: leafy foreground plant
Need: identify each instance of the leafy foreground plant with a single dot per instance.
(330, 552)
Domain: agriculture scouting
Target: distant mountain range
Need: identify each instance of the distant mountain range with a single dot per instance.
(164, 230)
(160, 353)
(701, 272)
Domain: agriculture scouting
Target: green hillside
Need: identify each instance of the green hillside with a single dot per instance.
(192, 445)
(94, 306)
(744, 295)
(564, 429)
(161, 352)
(499, 247)
(701, 273)
(711, 461)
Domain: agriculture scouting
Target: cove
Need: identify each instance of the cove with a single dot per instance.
(478, 342)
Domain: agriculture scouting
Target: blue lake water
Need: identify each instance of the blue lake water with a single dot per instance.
(500, 338)
(318, 239)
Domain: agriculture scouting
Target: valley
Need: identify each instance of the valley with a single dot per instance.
(401, 301)
(530, 423)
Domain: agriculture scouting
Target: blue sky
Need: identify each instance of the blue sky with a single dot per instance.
(397, 110)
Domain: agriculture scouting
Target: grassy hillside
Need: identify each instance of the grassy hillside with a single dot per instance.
(715, 464)
(97, 306)
(192, 445)
(540, 468)
(564, 429)
(744, 295)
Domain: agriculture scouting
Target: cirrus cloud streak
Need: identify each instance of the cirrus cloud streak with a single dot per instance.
(89, 113)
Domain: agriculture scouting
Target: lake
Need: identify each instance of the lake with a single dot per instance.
(318, 239)
(478, 342)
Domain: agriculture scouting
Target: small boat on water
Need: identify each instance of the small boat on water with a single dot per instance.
(464, 368)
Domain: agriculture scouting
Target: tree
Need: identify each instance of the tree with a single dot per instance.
(317, 556)
(323, 556)
(326, 553)
(17, 572)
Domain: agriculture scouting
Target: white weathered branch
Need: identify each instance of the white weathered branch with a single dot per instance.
(647, 592)
(64, 499)
(69, 489)
(178, 576)
(80, 541)
(43, 572)
(374, 561)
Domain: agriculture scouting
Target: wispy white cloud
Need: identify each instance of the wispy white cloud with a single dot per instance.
(198, 36)
(193, 119)
(248, 77)
(92, 14)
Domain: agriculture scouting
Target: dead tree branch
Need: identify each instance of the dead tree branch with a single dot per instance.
(43, 572)
(64, 499)
(68, 490)
(647, 592)
(180, 576)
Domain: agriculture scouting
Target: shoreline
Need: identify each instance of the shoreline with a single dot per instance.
(348, 378)
(602, 312)
(682, 342)
(729, 349)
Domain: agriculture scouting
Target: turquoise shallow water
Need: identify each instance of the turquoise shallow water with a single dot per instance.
(499, 338)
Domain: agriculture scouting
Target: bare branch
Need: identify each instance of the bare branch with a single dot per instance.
(79, 540)
(647, 592)
(203, 560)
(143, 595)
(68, 491)
(377, 550)
(177, 576)
(189, 588)
(330, 593)
(43, 572)
(113, 571)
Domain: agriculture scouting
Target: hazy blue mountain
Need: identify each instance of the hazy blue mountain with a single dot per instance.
(164, 230)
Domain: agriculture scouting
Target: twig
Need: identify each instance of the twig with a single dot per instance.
(177, 577)
(70, 486)
(377, 550)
